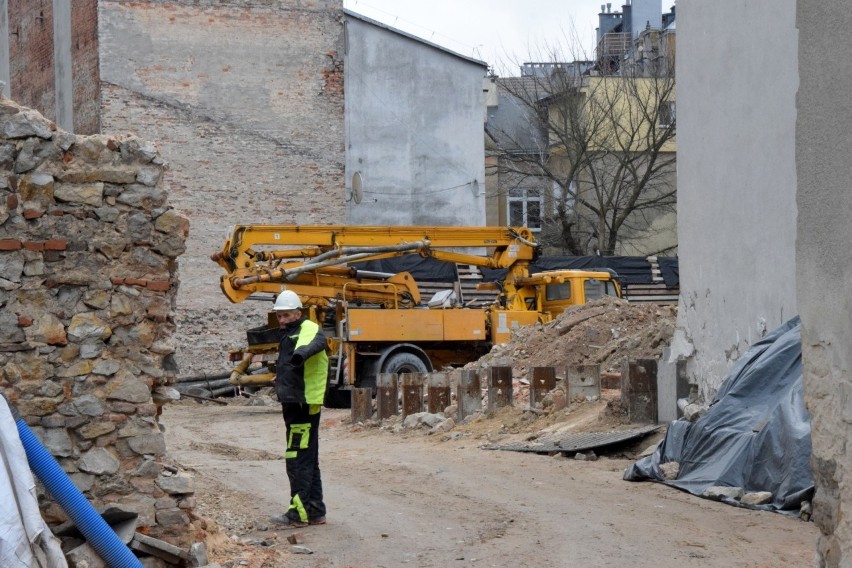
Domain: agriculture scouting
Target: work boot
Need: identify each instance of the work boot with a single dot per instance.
(289, 522)
(317, 521)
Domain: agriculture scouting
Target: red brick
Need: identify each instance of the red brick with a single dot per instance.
(55, 244)
(135, 282)
(30, 214)
(34, 245)
(11, 201)
(24, 321)
(116, 281)
(158, 285)
(9, 244)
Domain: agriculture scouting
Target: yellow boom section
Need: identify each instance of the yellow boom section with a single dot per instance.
(265, 257)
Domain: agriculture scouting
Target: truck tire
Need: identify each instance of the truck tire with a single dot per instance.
(404, 362)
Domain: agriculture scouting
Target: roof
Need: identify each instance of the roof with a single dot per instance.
(371, 21)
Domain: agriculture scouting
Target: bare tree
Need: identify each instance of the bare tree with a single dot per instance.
(599, 145)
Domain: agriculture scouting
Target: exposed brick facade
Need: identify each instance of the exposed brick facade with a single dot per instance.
(31, 68)
(245, 101)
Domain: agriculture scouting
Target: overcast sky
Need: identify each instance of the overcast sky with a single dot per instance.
(498, 32)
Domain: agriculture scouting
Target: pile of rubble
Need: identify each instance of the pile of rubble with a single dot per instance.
(607, 332)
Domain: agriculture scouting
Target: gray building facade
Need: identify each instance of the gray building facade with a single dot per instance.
(414, 120)
(736, 114)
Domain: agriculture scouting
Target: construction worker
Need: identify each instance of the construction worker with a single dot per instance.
(300, 381)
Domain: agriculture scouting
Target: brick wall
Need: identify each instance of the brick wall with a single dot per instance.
(31, 66)
(245, 101)
(31, 54)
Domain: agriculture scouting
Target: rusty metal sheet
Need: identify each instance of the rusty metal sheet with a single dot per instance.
(413, 385)
(362, 404)
(387, 395)
(439, 392)
(575, 441)
(499, 387)
(468, 393)
(543, 381)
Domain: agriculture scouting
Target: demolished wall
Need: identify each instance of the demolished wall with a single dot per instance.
(88, 278)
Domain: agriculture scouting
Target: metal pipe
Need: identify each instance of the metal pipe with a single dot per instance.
(348, 255)
(202, 377)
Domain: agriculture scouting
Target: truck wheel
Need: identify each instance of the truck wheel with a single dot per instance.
(404, 362)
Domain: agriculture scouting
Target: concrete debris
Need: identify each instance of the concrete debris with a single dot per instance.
(586, 456)
(197, 556)
(158, 548)
(718, 492)
(757, 498)
(670, 470)
(301, 550)
(694, 411)
(422, 419)
(444, 426)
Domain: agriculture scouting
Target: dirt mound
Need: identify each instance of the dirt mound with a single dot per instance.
(605, 332)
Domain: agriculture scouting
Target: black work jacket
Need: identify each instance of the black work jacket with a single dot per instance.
(301, 372)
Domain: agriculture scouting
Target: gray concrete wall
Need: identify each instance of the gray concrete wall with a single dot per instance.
(824, 264)
(245, 101)
(737, 80)
(414, 131)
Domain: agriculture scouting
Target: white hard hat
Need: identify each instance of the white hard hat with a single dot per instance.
(287, 300)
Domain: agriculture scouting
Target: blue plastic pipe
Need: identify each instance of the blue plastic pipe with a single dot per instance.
(98, 533)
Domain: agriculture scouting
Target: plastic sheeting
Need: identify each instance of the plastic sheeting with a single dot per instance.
(25, 539)
(630, 269)
(756, 434)
(422, 269)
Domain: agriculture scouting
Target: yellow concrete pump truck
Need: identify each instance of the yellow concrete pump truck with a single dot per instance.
(375, 321)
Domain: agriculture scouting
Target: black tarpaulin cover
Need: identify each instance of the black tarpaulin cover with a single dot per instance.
(422, 269)
(630, 269)
(756, 434)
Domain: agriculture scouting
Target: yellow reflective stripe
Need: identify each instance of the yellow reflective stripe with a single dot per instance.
(288, 455)
(314, 409)
(296, 503)
(304, 431)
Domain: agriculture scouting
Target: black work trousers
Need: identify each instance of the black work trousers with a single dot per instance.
(302, 459)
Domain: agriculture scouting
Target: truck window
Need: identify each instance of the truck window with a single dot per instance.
(558, 291)
(596, 289)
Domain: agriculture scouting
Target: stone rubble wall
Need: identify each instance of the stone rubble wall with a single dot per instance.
(88, 278)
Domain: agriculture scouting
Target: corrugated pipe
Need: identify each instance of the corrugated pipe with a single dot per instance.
(98, 533)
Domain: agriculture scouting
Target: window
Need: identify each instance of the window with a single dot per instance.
(525, 207)
(595, 289)
(558, 291)
(668, 114)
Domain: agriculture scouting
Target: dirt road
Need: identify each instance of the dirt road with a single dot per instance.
(424, 501)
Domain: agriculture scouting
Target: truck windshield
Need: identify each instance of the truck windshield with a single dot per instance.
(596, 289)
(558, 291)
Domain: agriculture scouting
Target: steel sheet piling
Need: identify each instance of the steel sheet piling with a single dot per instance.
(499, 387)
(362, 404)
(439, 392)
(412, 393)
(387, 395)
(543, 381)
(468, 394)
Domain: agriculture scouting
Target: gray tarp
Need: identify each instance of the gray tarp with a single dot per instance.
(756, 434)
(25, 539)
